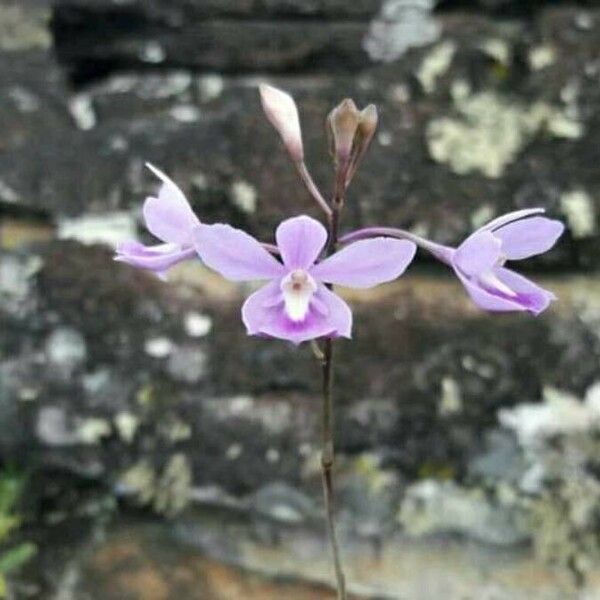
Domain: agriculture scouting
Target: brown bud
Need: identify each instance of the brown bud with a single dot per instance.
(367, 126)
(343, 122)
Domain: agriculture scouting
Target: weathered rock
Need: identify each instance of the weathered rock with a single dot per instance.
(487, 120)
(250, 406)
(142, 561)
(114, 384)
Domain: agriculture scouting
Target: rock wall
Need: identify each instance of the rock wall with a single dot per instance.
(114, 385)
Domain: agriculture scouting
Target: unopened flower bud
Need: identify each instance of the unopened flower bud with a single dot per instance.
(342, 124)
(367, 125)
(350, 133)
(281, 111)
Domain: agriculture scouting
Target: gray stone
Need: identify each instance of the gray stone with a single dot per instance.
(435, 106)
(187, 364)
(66, 350)
(281, 502)
(430, 507)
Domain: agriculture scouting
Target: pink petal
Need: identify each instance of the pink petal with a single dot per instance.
(154, 258)
(366, 263)
(300, 241)
(478, 253)
(511, 217)
(528, 296)
(169, 216)
(263, 314)
(528, 237)
(235, 254)
(339, 314)
(486, 299)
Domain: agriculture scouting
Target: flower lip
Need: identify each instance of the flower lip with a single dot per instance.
(298, 288)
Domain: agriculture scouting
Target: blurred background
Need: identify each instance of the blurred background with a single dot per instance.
(149, 449)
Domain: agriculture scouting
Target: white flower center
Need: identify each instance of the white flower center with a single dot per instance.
(298, 288)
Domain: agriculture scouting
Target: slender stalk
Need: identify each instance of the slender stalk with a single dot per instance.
(328, 453)
(443, 253)
(327, 461)
(312, 188)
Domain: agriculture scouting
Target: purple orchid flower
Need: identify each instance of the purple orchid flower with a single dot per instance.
(479, 261)
(170, 218)
(296, 305)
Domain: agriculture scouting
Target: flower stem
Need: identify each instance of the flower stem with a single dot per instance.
(327, 461)
(443, 253)
(312, 188)
(328, 453)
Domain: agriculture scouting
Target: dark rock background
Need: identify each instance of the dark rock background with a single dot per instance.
(141, 409)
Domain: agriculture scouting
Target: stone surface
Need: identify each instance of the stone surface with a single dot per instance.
(471, 126)
(466, 444)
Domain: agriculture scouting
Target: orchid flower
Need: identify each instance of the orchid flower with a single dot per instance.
(170, 218)
(479, 261)
(296, 304)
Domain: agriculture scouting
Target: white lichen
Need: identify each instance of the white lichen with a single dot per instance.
(450, 402)
(234, 451)
(174, 430)
(400, 25)
(172, 492)
(24, 100)
(210, 87)
(541, 57)
(384, 138)
(185, 113)
(560, 413)
(197, 325)
(167, 491)
(81, 107)
(482, 215)
(24, 27)
(491, 131)
(443, 507)
(560, 439)
(244, 196)
(158, 347)
(92, 430)
(272, 455)
(152, 52)
(436, 62)
(497, 49)
(579, 209)
(109, 228)
(126, 424)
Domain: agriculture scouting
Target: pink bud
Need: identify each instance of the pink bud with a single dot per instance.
(281, 111)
